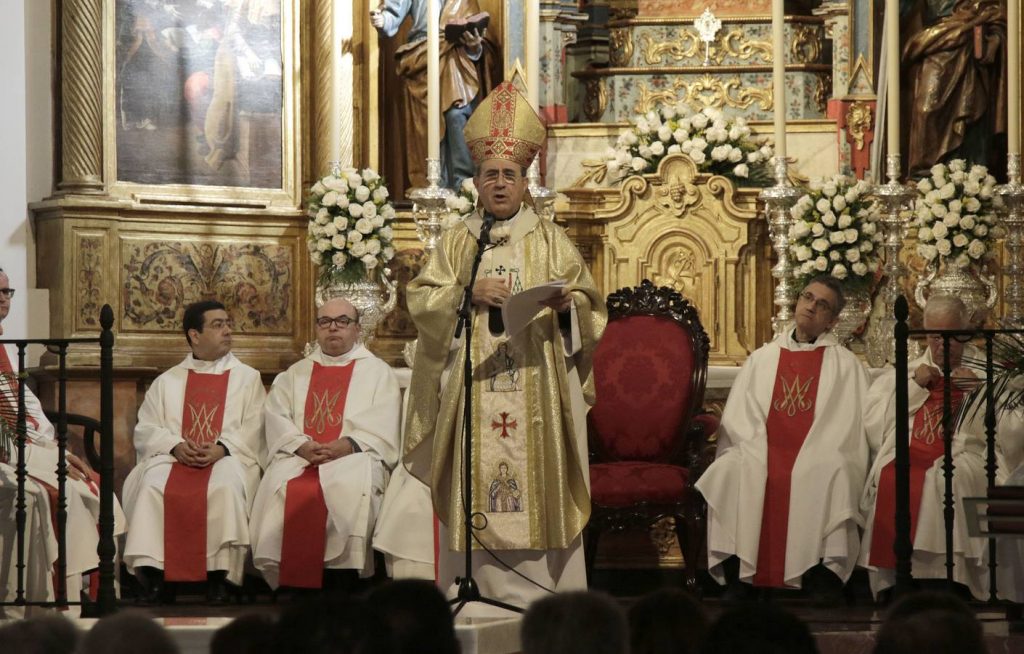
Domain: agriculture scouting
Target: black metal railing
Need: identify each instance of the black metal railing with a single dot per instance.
(903, 545)
(107, 549)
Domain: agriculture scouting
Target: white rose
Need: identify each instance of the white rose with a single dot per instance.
(373, 247)
(357, 249)
(839, 202)
(318, 188)
(981, 230)
(355, 210)
(343, 202)
(657, 148)
(939, 210)
(685, 124)
(967, 222)
(644, 151)
(316, 230)
(866, 246)
(803, 253)
(668, 112)
(853, 255)
(837, 237)
(720, 153)
(799, 230)
(924, 186)
(638, 164)
(680, 135)
(951, 220)
(819, 245)
(960, 165)
(927, 251)
(851, 235)
(341, 222)
(698, 144)
(362, 194)
(323, 216)
(354, 236)
(338, 242)
(821, 264)
(330, 199)
(976, 249)
(835, 255)
(388, 253)
(943, 246)
(972, 205)
(807, 267)
(665, 133)
(947, 191)
(370, 175)
(380, 194)
(828, 219)
(674, 149)
(851, 196)
(329, 230)
(630, 138)
(972, 188)
(369, 261)
(960, 240)
(353, 178)
(323, 244)
(859, 269)
(845, 221)
(364, 225)
(839, 271)
(735, 133)
(869, 228)
(339, 259)
(823, 205)
(386, 233)
(986, 192)
(741, 170)
(735, 155)
(369, 209)
(700, 121)
(939, 230)
(698, 156)
(924, 234)
(938, 170)
(817, 229)
(829, 189)
(643, 127)
(958, 176)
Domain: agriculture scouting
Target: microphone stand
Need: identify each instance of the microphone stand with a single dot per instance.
(469, 591)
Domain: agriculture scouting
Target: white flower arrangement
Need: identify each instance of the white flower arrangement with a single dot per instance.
(350, 219)
(717, 143)
(835, 231)
(461, 204)
(956, 214)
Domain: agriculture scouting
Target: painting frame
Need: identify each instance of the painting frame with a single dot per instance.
(177, 191)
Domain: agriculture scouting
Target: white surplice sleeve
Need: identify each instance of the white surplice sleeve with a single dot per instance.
(375, 426)
(246, 439)
(152, 437)
(283, 433)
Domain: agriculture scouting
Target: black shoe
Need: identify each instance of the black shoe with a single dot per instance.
(217, 588)
(824, 587)
(152, 582)
(736, 591)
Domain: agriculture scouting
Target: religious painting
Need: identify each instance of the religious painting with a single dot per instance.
(201, 93)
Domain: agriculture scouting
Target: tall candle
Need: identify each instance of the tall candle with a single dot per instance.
(433, 81)
(892, 74)
(1013, 78)
(334, 116)
(532, 53)
(779, 76)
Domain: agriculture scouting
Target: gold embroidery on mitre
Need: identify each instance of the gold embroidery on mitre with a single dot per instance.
(794, 396)
(323, 412)
(201, 430)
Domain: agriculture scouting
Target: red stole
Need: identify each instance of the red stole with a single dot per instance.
(926, 445)
(9, 394)
(185, 494)
(304, 540)
(790, 417)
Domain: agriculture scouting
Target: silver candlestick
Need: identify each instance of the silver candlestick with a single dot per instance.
(543, 197)
(895, 199)
(1012, 214)
(430, 205)
(780, 200)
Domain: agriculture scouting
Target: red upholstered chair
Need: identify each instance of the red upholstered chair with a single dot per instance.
(648, 433)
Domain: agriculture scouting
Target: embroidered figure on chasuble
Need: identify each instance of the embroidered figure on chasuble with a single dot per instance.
(199, 443)
(332, 429)
(530, 390)
(925, 387)
(792, 456)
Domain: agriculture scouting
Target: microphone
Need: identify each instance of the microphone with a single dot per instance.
(494, 321)
(485, 228)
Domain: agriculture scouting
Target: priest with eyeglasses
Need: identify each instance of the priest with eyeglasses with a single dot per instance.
(332, 430)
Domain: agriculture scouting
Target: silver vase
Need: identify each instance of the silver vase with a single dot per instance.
(977, 290)
(374, 297)
(855, 312)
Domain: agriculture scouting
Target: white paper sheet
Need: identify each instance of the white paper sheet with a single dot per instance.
(519, 310)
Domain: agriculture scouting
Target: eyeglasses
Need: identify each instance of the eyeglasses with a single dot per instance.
(341, 322)
(7, 292)
(819, 304)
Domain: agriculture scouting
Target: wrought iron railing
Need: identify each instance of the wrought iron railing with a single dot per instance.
(106, 549)
(985, 399)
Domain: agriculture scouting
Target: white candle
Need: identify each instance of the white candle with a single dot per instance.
(433, 81)
(779, 76)
(334, 116)
(1013, 79)
(532, 53)
(892, 74)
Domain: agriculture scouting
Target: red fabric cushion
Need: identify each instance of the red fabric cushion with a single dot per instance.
(642, 370)
(626, 484)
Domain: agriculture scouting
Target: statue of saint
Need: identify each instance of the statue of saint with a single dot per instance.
(465, 78)
(958, 81)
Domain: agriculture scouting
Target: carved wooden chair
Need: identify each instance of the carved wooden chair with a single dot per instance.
(648, 433)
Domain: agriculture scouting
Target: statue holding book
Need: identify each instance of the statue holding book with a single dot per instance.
(467, 59)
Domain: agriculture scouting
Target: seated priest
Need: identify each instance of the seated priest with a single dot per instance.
(41, 461)
(792, 455)
(199, 442)
(925, 388)
(332, 436)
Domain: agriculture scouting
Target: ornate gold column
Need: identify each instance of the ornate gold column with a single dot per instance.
(81, 31)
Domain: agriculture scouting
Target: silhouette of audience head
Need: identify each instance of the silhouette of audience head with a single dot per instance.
(759, 629)
(46, 634)
(249, 634)
(332, 624)
(130, 632)
(932, 622)
(417, 615)
(667, 621)
(575, 623)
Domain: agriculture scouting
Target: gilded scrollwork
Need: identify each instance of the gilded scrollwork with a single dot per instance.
(822, 91)
(620, 46)
(90, 280)
(253, 280)
(677, 195)
(680, 272)
(858, 122)
(734, 43)
(705, 91)
(686, 46)
(805, 46)
(596, 99)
